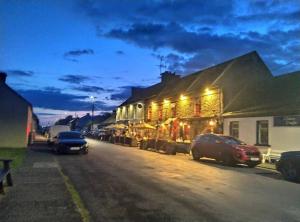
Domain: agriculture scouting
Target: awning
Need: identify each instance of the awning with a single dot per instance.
(143, 126)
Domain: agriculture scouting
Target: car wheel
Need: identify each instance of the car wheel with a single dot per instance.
(289, 172)
(228, 160)
(252, 165)
(195, 155)
(56, 150)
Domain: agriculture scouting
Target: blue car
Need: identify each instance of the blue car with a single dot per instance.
(70, 142)
(289, 165)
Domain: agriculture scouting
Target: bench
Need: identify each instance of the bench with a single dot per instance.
(5, 173)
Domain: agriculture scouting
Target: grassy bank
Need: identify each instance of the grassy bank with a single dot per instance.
(16, 154)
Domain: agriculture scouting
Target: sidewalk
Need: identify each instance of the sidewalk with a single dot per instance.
(39, 192)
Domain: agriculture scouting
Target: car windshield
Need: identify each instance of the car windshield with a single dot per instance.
(232, 140)
(70, 135)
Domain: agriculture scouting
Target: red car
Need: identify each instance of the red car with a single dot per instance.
(226, 149)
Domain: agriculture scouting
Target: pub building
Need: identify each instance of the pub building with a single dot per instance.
(180, 107)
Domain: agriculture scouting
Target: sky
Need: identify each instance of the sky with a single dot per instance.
(59, 53)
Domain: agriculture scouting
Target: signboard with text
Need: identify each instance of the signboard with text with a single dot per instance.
(287, 121)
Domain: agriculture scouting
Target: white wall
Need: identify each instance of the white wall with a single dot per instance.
(280, 138)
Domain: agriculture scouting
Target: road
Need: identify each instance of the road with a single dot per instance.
(118, 183)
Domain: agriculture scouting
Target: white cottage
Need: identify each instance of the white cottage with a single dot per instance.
(267, 114)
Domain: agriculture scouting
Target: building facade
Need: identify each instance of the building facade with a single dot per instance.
(267, 114)
(15, 117)
(180, 107)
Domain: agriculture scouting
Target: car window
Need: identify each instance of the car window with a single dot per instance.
(204, 139)
(232, 141)
(68, 135)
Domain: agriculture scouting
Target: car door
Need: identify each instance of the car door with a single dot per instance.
(203, 146)
(216, 146)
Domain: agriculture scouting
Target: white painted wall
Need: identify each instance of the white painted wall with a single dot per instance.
(280, 138)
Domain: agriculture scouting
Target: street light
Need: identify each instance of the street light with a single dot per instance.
(93, 109)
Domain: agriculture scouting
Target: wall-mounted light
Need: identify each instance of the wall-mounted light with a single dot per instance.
(181, 124)
(208, 91)
(183, 97)
(212, 123)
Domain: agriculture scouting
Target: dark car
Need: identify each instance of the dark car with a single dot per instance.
(289, 165)
(226, 149)
(70, 142)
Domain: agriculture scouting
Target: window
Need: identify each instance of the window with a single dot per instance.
(149, 113)
(173, 110)
(197, 109)
(262, 132)
(160, 112)
(234, 129)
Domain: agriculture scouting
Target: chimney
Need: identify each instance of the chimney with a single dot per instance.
(168, 76)
(2, 77)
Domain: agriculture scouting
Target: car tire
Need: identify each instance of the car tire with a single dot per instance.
(228, 160)
(85, 151)
(56, 150)
(194, 155)
(290, 173)
(252, 165)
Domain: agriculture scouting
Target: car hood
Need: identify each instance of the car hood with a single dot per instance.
(248, 148)
(77, 141)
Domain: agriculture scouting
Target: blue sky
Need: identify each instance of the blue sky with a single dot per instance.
(58, 53)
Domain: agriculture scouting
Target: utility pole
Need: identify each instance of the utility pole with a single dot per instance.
(93, 109)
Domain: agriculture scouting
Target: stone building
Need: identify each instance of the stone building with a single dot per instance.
(182, 107)
(15, 117)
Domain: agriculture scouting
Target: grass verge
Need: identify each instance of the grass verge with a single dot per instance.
(16, 154)
(84, 213)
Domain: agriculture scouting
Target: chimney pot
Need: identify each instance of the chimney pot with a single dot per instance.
(2, 77)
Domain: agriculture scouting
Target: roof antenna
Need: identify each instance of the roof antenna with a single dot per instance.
(162, 63)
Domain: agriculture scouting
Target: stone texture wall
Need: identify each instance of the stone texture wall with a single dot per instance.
(211, 103)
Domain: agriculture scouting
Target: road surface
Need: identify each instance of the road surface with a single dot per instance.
(118, 183)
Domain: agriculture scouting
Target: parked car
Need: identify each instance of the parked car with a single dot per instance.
(70, 142)
(226, 149)
(289, 165)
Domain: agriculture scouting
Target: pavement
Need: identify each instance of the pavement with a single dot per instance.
(39, 192)
(118, 183)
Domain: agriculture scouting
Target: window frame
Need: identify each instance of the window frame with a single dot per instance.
(231, 129)
(259, 134)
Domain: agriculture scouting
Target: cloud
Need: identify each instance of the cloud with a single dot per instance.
(55, 99)
(74, 79)
(91, 89)
(120, 52)
(203, 34)
(20, 73)
(79, 52)
(206, 48)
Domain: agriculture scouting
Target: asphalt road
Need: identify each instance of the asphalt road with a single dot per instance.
(119, 183)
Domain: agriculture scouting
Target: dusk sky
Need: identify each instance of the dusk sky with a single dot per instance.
(58, 53)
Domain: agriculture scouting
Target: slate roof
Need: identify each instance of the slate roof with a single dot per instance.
(195, 82)
(278, 96)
